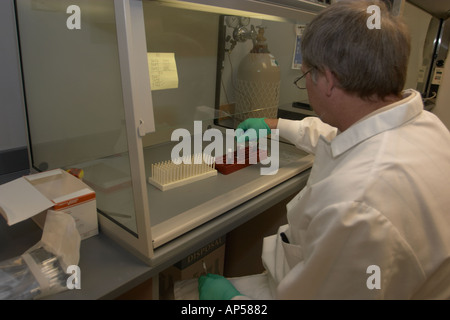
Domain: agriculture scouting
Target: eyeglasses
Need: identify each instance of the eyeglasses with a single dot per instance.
(300, 81)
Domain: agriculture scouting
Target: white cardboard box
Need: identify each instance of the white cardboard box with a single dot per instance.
(31, 196)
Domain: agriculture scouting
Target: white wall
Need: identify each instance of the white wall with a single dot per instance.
(12, 121)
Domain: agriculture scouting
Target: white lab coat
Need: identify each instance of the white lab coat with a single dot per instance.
(373, 221)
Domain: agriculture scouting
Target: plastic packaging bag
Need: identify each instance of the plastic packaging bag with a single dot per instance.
(41, 270)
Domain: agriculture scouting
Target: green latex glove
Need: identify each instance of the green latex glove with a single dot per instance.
(215, 287)
(252, 123)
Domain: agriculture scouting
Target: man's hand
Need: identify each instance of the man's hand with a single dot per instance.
(256, 124)
(216, 287)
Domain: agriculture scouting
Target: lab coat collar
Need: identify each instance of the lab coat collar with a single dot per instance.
(396, 115)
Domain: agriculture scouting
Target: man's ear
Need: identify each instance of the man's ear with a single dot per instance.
(331, 82)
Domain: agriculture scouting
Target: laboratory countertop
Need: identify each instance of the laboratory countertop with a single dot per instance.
(108, 270)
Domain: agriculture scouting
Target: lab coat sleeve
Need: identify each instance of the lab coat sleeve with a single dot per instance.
(351, 251)
(305, 134)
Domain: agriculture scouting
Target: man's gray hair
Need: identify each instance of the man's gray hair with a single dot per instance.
(367, 62)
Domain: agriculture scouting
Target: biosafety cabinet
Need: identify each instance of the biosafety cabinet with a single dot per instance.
(145, 96)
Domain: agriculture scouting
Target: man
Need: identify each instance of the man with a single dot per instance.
(373, 220)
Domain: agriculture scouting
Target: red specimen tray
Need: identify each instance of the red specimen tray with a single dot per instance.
(225, 168)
